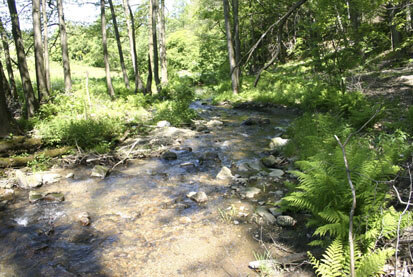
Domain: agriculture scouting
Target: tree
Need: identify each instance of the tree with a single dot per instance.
(38, 50)
(153, 10)
(46, 47)
(139, 86)
(105, 50)
(5, 117)
(65, 48)
(162, 42)
(31, 104)
(231, 52)
(117, 36)
(10, 72)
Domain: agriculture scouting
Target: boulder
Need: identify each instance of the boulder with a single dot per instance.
(224, 174)
(84, 218)
(6, 195)
(276, 173)
(28, 182)
(277, 143)
(163, 124)
(35, 196)
(99, 171)
(275, 212)
(266, 215)
(54, 197)
(251, 192)
(286, 221)
(270, 161)
(199, 197)
(50, 178)
(169, 156)
(214, 123)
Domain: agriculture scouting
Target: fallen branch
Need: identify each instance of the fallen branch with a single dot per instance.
(22, 161)
(19, 142)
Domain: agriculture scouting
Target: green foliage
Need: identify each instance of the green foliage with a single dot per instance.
(176, 108)
(336, 261)
(40, 163)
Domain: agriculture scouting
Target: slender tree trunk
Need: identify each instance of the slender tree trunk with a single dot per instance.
(231, 52)
(129, 20)
(117, 36)
(10, 72)
(6, 87)
(65, 49)
(46, 47)
(5, 117)
(237, 41)
(139, 86)
(354, 17)
(162, 42)
(31, 104)
(38, 51)
(153, 15)
(105, 50)
(149, 79)
(150, 49)
(394, 33)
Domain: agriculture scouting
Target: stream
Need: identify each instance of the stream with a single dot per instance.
(141, 221)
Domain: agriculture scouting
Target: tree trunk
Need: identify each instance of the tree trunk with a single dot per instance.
(237, 41)
(105, 50)
(139, 86)
(5, 117)
(10, 72)
(38, 51)
(46, 47)
(162, 43)
(149, 79)
(153, 14)
(354, 17)
(65, 49)
(394, 33)
(6, 87)
(117, 36)
(31, 104)
(129, 21)
(234, 70)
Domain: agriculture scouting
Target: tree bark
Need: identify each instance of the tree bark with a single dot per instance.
(394, 33)
(117, 36)
(31, 104)
(153, 14)
(162, 42)
(38, 51)
(237, 41)
(234, 70)
(111, 92)
(65, 49)
(5, 117)
(129, 19)
(149, 79)
(10, 72)
(6, 87)
(46, 47)
(139, 86)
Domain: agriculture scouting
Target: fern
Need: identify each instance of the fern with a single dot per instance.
(336, 261)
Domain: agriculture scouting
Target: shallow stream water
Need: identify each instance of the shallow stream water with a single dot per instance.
(142, 223)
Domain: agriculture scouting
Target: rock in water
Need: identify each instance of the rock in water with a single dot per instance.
(28, 182)
(84, 218)
(225, 174)
(276, 173)
(50, 178)
(169, 156)
(270, 161)
(6, 195)
(286, 221)
(35, 196)
(266, 215)
(277, 143)
(261, 264)
(163, 124)
(54, 197)
(251, 192)
(99, 171)
(199, 197)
